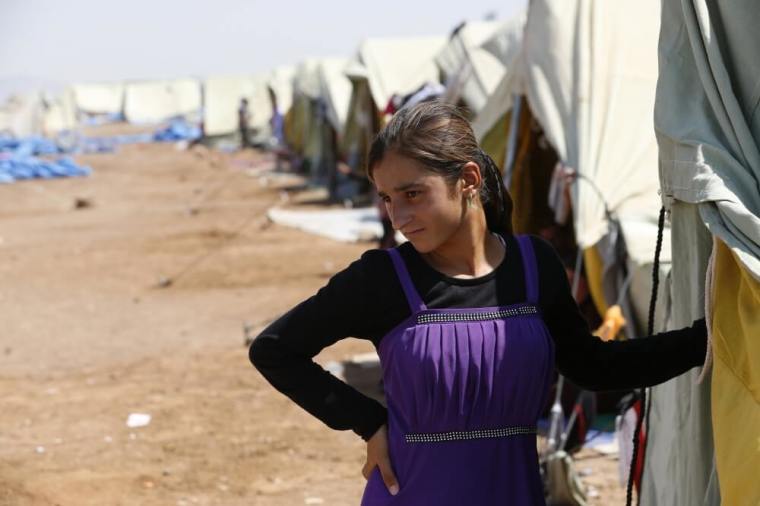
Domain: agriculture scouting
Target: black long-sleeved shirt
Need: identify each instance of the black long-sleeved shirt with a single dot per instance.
(366, 301)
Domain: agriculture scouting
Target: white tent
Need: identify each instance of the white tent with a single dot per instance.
(335, 91)
(381, 68)
(156, 101)
(320, 100)
(501, 100)
(306, 78)
(99, 98)
(591, 69)
(399, 65)
(588, 72)
(470, 70)
(60, 112)
(22, 115)
(222, 100)
(280, 83)
(302, 121)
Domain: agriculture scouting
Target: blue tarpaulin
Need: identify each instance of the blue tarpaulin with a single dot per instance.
(16, 168)
(18, 160)
(108, 144)
(102, 119)
(29, 146)
(18, 157)
(177, 130)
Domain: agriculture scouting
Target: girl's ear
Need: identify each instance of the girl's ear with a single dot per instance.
(471, 177)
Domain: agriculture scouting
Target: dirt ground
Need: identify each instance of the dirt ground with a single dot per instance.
(128, 292)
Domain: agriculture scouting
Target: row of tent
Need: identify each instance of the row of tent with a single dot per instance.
(563, 98)
(213, 102)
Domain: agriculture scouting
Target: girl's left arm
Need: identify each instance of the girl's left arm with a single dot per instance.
(615, 365)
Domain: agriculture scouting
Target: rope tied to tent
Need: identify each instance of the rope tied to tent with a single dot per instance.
(650, 330)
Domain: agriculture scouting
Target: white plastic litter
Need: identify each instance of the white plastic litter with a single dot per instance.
(135, 420)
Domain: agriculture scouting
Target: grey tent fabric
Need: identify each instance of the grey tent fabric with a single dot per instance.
(707, 122)
(679, 466)
(707, 117)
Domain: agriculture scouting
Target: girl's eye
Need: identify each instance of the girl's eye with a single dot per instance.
(386, 199)
(413, 193)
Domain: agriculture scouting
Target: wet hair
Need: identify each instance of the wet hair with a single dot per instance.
(438, 136)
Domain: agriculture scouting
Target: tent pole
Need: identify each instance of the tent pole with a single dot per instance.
(514, 126)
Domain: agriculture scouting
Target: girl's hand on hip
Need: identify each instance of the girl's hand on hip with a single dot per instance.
(377, 455)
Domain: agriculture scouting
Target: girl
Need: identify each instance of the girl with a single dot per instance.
(469, 322)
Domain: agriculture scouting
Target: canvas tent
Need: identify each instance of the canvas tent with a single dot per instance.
(222, 97)
(317, 118)
(398, 66)
(334, 96)
(22, 115)
(156, 101)
(60, 112)
(280, 85)
(585, 76)
(302, 119)
(595, 110)
(335, 91)
(472, 72)
(99, 98)
(708, 130)
(381, 68)
(493, 120)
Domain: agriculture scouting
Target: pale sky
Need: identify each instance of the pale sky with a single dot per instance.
(89, 40)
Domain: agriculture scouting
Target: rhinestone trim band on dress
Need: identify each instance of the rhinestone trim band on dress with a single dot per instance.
(476, 316)
(440, 437)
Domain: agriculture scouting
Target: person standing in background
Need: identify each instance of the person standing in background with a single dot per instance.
(244, 118)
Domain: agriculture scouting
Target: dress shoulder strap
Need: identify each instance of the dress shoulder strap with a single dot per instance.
(412, 297)
(529, 268)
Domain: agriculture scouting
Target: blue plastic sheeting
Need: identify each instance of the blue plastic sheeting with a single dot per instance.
(16, 168)
(18, 160)
(28, 146)
(18, 156)
(177, 130)
(108, 144)
(102, 119)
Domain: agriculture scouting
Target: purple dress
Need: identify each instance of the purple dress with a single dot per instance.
(465, 388)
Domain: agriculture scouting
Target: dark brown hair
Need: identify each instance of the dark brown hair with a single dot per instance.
(438, 136)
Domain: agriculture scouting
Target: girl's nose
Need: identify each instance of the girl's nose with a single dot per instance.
(398, 215)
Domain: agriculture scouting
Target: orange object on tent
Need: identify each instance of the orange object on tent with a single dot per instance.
(612, 323)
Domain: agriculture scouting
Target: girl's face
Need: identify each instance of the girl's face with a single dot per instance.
(420, 203)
